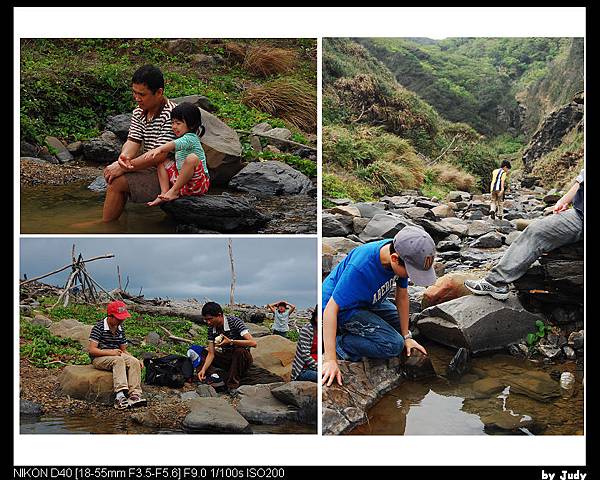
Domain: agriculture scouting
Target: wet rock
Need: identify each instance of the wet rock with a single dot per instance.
(84, 382)
(29, 408)
(415, 297)
(335, 422)
(488, 240)
(302, 395)
(478, 323)
(271, 178)
(534, 384)
(119, 125)
(576, 340)
(275, 354)
(505, 422)
(214, 415)
(206, 391)
(417, 367)
(258, 405)
(147, 419)
(488, 386)
(459, 365)
(104, 149)
(569, 352)
(224, 213)
(447, 288)
(384, 226)
(549, 351)
(333, 227)
(99, 185)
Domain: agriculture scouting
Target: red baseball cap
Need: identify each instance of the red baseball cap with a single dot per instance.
(118, 309)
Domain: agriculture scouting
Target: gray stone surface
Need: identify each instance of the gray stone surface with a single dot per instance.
(214, 415)
(384, 226)
(258, 405)
(271, 178)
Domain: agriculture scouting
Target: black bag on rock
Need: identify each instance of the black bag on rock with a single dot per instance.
(170, 371)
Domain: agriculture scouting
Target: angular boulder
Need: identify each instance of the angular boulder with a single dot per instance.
(384, 226)
(85, 382)
(104, 149)
(224, 213)
(214, 415)
(271, 178)
(258, 405)
(119, 125)
(446, 288)
(71, 328)
(275, 354)
(478, 323)
(299, 394)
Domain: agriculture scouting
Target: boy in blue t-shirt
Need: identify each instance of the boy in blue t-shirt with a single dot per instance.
(358, 320)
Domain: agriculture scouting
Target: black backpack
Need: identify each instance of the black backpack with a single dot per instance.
(170, 371)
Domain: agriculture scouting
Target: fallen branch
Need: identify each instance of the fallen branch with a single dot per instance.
(291, 142)
(174, 337)
(110, 255)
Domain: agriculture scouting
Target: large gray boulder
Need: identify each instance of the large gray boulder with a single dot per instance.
(62, 153)
(299, 394)
(271, 178)
(223, 213)
(334, 226)
(104, 149)
(258, 405)
(478, 323)
(214, 415)
(384, 226)
(119, 125)
(84, 382)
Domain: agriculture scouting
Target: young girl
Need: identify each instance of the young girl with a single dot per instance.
(188, 174)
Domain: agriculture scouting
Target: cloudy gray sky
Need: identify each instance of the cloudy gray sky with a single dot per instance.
(267, 269)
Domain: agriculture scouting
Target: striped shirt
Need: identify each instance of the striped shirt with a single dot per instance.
(303, 358)
(233, 328)
(106, 339)
(153, 133)
(498, 177)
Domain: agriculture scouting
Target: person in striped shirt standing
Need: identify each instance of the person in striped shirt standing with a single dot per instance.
(150, 128)
(497, 188)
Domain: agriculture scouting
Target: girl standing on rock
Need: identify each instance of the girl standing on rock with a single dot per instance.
(188, 174)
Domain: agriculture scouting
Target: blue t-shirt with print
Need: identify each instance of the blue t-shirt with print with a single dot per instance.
(360, 280)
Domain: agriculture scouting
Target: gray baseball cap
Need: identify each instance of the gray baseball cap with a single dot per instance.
(417, 250)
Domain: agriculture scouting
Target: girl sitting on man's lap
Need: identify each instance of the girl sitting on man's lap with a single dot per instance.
(188, 174)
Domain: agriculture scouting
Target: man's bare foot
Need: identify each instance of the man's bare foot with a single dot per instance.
(169, 196)
(157, 201)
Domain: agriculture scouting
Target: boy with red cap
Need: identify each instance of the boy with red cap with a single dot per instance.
(108, 351)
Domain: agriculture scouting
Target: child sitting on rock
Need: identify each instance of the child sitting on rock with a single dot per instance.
(188, 174)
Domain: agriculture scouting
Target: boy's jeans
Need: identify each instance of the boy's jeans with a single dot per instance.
(307, 375)
(541, 236)
(372, 333)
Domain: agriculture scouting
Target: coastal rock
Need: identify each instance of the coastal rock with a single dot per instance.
(258, 405)
(29, 408)
(299, 394)
(104, 149)
(271, 178)
(71, 328)
(534, 384)
(84, 382)
(488, 240)
(99, 184)
(214, 415)
(333, 227)
(224, 213)
(275, 354)
(384, 226)
(478, 323)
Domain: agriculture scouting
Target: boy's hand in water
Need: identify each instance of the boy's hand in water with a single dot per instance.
(410, 343)
(331, 372)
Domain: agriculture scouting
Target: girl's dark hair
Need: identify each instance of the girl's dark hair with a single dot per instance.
(190, 114)
(150, 76)
(212, 309)
(505, 163)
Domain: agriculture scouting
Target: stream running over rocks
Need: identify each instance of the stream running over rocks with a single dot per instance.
(481, 402)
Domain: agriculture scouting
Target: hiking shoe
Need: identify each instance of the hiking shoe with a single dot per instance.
(121, 403)
(136, 401)
(482, 287)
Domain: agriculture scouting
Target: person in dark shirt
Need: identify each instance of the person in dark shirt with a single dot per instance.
(564, 226)
(232, 337)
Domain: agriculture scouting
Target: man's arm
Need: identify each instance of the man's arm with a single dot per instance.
(566, 199)
(247, 342)
(331, 370)
(292, 307)
(403, 306)
(208, 361)
(94, 351)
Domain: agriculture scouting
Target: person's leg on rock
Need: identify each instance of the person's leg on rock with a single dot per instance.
(542, 236)
(241, 359)
(134, 380)
(116, 365)
(367, 334)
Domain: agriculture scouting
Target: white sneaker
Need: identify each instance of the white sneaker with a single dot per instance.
(483, 287)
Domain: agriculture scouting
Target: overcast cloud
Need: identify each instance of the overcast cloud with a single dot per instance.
(267, 269)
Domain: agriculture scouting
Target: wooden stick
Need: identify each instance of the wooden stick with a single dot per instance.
(66, 289)
(109, 255)
(119, 277)
(232, 287)
(174, 337)
(291, 142)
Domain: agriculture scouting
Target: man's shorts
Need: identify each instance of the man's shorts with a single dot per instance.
(143, 185)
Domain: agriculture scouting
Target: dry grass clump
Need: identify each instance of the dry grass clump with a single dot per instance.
(265, 60)
(292, 100)
(451, 176)
(235, 51)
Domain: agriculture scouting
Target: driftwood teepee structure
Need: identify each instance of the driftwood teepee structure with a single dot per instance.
(79, 282)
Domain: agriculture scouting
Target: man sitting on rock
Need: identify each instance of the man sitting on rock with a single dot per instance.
(108, 351)
(358, 319)
(233, 338)
(564, 226)
(150, 128)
